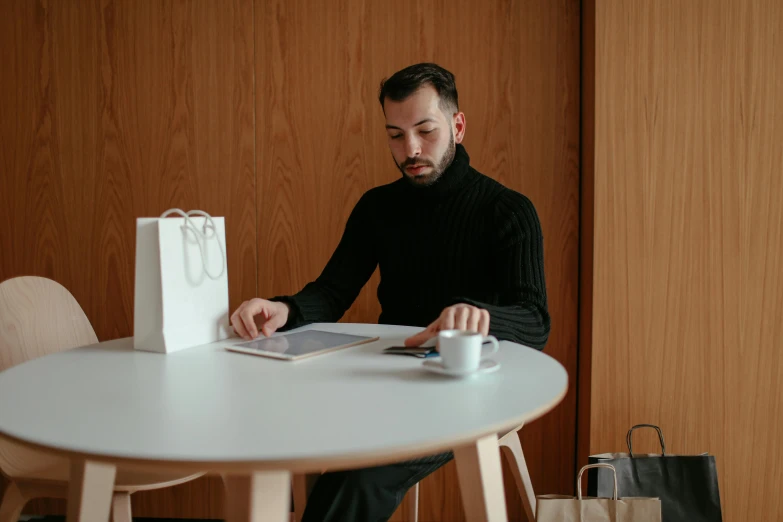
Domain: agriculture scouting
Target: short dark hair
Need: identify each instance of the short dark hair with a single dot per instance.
(405, 82)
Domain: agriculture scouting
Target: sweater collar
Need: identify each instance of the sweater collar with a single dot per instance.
(456, 176)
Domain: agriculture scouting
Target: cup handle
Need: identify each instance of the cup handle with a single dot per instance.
(495, 346)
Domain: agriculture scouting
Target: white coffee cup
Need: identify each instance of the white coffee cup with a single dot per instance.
(461, 350)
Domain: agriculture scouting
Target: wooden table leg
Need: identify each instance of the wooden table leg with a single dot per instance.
(90, 491)
(263, 496)
(512, 448)
(12, 502)
(481, 480)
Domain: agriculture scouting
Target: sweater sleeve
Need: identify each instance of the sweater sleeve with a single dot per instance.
(520, 314)
(354, 260)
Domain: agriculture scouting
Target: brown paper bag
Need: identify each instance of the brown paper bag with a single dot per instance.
(562, 508)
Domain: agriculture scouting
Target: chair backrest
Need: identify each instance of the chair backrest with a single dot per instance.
(39, 316)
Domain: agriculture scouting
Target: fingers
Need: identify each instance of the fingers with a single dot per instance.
(247, 317)
(462, 317)
(474, 319)
(459, 317)
(483, 324)
(239, 326)
(465, 317)
(447, 318)
(420, 338)
(425, 335)
(274, 321)
(243, 320)
(259, 313)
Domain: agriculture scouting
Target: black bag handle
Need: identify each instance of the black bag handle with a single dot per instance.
(660, 437)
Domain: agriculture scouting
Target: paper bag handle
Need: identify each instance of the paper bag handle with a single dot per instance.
(600, 465)
(660, 438)
(208, 224)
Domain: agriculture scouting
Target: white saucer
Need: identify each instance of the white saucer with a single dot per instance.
(436, 366)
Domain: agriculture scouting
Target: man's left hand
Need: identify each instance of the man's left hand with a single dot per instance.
(457, 317)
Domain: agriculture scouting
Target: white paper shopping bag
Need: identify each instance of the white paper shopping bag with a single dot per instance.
(181, 296)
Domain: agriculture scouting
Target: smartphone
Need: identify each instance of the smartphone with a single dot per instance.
(415, 351)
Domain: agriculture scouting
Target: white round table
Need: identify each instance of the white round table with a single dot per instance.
(256, 420)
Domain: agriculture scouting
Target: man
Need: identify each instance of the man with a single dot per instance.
(456, 249)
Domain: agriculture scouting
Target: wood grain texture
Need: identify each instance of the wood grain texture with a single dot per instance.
(688, 291)
(12, 501)
(321, 144)
(586, 230)
(120, 109)
(90, 491)
(480, 479)
(259, 497)
(24, 301)
(113, 110)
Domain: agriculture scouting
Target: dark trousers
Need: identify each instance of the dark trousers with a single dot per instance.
(368, 494)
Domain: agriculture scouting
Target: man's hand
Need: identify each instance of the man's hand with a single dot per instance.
(257, 314)
(457, 317)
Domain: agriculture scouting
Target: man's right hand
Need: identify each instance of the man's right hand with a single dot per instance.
(257, 314)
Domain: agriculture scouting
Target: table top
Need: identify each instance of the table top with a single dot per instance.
(206, 406)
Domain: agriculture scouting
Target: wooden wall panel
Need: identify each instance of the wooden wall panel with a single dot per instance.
(114, 110)
(688, 291)
(586, 229)
(111, 110)
(321, 143)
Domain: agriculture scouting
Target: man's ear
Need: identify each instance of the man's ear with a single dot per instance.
(459, 127)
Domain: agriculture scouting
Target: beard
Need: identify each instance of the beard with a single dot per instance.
(437, 170)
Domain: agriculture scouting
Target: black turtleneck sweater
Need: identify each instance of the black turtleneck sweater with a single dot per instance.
(464, 239)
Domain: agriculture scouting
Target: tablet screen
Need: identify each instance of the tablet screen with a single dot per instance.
(301, 343)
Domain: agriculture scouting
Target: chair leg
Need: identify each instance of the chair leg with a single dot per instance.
(512, 449)
(413, 504)
(121, 507)
(12, 503)
(302, 485)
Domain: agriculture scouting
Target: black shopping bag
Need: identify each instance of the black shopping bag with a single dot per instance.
(686, 484)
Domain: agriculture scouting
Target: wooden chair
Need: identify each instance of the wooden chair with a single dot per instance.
(38, 317)
(510, 446)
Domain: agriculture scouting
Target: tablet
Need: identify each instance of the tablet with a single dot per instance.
(299, 345)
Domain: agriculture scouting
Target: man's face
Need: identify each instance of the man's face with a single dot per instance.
(421, 137)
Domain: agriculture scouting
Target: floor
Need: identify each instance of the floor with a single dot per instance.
(28, 518)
